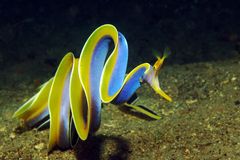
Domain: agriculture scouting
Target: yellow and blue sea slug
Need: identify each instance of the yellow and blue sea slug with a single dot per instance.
(70, 102)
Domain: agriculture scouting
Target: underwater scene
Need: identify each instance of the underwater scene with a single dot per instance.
(120, 80)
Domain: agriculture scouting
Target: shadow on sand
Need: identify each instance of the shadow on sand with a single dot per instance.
(92, 149)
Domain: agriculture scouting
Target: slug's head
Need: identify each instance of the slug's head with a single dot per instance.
(158, 64)
(151, 76)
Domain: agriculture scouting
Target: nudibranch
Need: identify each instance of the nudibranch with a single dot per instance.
(70, 102)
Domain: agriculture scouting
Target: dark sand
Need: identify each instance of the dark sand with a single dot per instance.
(202, 122)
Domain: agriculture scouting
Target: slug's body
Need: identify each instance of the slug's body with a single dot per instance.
(71, 100)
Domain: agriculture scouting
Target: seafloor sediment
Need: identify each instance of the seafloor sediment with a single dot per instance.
(202, 122)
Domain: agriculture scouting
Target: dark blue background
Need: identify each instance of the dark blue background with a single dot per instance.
(196, 30)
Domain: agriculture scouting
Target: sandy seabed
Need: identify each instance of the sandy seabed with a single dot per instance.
(202, 122)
